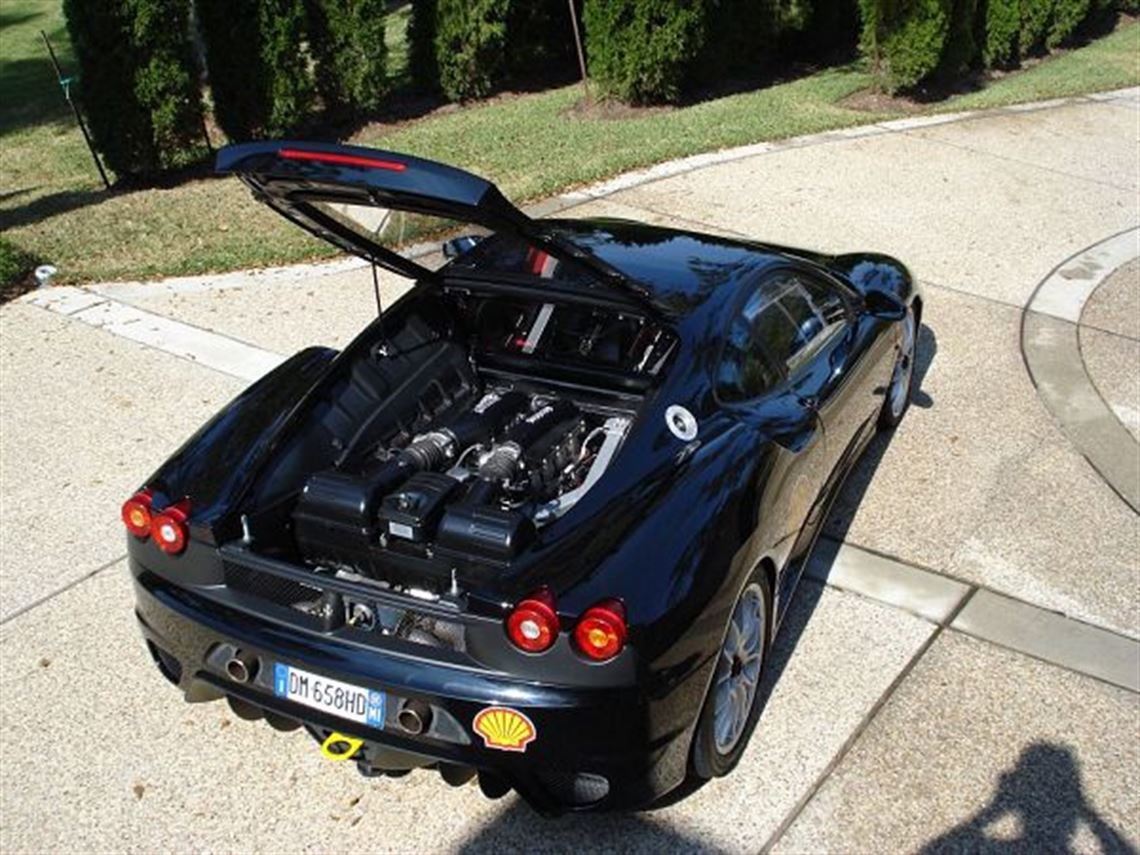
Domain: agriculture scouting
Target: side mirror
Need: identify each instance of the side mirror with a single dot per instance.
(457, 246)
(885, 305)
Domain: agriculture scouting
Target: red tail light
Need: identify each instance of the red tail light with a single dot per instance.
(136, 514)
(533, 625)
(169, 528)
(600, 634)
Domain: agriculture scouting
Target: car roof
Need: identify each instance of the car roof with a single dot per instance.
(681, 271)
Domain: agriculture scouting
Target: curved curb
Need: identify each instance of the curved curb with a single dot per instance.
(1051, 349)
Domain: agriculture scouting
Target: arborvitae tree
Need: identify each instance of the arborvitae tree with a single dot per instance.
(347, 41)
(1068, 15)
(120, 124)
(904, 39)
(1002, 26)
(471, 46)
(643, 51)
(1035, 18)
(234, 65)
(165, 78)
(290, 88)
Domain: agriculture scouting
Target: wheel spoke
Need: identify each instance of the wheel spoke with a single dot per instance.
(738, 669)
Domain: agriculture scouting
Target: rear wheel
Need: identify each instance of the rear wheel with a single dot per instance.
(898, 393)
(731, 706)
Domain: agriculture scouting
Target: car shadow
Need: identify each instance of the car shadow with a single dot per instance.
(520, 829)
(1037, 806)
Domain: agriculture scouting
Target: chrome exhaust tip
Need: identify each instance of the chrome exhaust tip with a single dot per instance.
(414, 717)
(242, 667)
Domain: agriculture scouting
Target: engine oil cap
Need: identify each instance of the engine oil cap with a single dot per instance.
(682, 423)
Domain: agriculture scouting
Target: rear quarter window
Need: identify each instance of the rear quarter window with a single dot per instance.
(783, 323)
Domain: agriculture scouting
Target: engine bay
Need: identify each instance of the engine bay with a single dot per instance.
(456, 432)
(479, 483)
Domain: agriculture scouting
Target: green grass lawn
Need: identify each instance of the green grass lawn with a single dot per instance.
(52, 205)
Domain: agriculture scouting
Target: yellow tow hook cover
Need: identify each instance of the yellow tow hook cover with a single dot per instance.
(331, 747)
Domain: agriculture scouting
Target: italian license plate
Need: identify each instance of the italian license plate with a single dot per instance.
(332, 696)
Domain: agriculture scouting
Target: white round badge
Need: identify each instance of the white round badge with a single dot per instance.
(682, 424)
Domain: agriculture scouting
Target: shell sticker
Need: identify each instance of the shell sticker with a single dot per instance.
(504, 729)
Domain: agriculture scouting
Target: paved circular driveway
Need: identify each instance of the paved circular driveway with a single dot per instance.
(963, 671)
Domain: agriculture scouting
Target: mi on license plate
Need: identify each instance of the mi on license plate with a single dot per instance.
(332, 696)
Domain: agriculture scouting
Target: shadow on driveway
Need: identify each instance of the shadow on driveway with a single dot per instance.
(1044, 798)
(520, 829)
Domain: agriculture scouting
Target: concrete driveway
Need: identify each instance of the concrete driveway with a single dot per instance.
(961, 668)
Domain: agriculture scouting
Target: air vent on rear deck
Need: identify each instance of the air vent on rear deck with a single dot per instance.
(269, 586)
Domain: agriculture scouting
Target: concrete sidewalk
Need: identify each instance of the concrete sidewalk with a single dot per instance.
(961, 667)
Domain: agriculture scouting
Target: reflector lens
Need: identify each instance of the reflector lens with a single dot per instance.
(600, 634)
(136, 514)
(342, 159)
(533, 625)
(169, 528)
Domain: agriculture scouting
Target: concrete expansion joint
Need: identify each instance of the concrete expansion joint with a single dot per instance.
(853, 738)
(1050, 346)
(46, 598)
(978, 611)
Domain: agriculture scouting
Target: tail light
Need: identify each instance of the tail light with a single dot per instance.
(169, 528)
(533, 625)
(600, 634)
(136, 514)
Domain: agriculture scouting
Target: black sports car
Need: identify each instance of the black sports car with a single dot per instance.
(538, 522)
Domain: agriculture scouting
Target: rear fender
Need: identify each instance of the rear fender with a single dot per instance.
(216, 464)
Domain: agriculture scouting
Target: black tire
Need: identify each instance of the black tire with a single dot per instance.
(706, 760)
(891, 415)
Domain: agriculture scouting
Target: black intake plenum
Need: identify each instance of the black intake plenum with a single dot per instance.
(502, 462)
(433, 449)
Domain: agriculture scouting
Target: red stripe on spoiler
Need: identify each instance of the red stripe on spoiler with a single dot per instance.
(342, 159)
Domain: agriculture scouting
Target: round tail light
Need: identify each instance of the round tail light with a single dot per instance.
(533, 625)
(600, 634)
(169, 528)
(136, 514)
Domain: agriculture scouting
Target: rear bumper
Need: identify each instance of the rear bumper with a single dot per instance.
(581, 733)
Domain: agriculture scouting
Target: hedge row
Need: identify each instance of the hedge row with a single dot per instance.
(655, 50)
(267, 62)
(271, 63)
(466, 49)
(910, 42)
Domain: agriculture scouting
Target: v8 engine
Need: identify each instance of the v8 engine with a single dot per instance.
(477, 485)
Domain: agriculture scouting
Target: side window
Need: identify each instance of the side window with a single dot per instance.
(787, 320)
(813, 310)
(744, 369)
